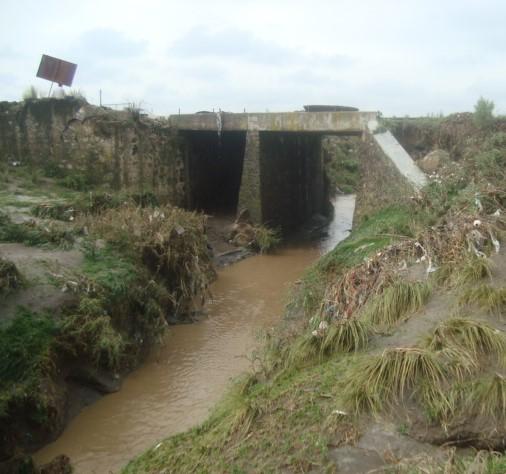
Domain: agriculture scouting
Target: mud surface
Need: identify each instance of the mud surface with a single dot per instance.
(182, 381)
(37, 265)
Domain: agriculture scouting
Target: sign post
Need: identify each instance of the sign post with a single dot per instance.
(56, 70)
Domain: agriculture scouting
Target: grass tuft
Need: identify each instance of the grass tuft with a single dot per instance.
(473, 270)
(396, 301)
(266, 239)
(349, 335)
(487, 297)
(342, 336)
(476, 337)
(380, 380)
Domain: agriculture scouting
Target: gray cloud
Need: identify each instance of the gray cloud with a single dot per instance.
(106, 43)
(236, 44)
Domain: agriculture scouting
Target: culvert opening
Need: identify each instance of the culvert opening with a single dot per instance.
(215, 170)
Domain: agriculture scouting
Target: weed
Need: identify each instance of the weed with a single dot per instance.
(10, 278)
(266, 239)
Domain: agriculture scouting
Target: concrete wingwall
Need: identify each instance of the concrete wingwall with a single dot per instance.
(72, 140)
(381, 182)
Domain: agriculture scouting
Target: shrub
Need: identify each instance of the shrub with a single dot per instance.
(483, 113)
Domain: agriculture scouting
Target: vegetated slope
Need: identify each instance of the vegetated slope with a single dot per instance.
(127, 265)
(395, 346)
(341, 160)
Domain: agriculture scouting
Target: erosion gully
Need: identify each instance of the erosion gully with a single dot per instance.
(185, 377)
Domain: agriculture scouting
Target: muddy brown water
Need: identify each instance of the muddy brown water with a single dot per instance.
(183, 379)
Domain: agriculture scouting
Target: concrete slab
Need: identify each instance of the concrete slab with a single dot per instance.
(318, 122)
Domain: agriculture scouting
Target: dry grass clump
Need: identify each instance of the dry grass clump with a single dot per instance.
(488, 397)
(487, 297)
(350, 292)
(396, 301)
(476, 337)
(341, 336)
(485, 397)
(381, 380)
(474, 269)
(169, 241)
(346, 335)
(10, 278)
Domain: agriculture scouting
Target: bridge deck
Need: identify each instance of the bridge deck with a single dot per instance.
(320, 122)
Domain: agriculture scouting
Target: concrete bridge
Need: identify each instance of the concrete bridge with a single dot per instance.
(268, 163)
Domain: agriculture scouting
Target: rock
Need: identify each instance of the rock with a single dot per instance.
(244, 237)
(433, 160)
(98, 380)
(243, 217)
(59, 465)
(242, 232)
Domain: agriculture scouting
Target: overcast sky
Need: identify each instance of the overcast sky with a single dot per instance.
(403, 57)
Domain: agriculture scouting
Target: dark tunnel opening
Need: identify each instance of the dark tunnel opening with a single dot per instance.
(215, 170)
(293, 184)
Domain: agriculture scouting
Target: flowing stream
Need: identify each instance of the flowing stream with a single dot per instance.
(184, 378)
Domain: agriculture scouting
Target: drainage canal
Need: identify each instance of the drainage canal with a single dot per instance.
(182, 380)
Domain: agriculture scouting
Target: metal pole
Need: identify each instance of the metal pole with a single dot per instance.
(100, 93)
(50, 89)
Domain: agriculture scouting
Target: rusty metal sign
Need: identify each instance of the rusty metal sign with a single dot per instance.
(56, 70)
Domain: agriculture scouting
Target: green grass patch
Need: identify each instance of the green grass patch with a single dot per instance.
(110, 270)
(301, 405)
(26, 354)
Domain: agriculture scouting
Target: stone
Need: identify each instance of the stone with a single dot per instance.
(59, 465)
(433, 160)
(243, 217)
